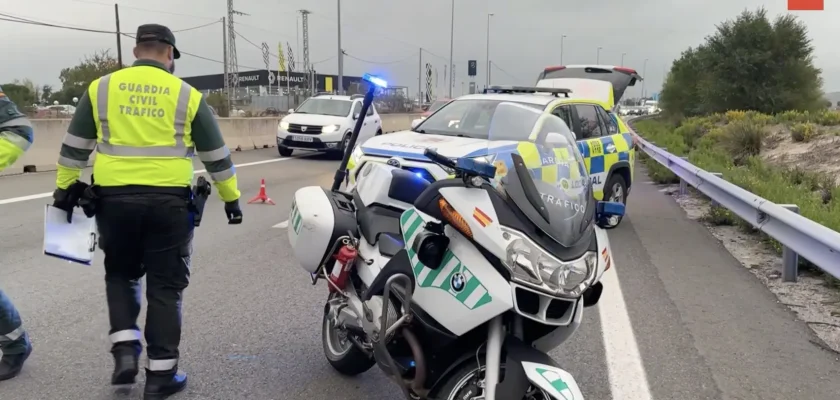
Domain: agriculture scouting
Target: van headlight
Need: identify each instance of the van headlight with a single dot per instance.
(284, 125)
(532, 266)
(329, 129)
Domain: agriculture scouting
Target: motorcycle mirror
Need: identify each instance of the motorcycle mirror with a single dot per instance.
(606, 209)
(430, 248)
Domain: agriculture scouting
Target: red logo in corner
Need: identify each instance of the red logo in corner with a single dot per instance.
(806, 5)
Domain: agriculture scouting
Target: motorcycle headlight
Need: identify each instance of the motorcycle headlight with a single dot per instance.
(284, 125)
(532, 266)
(329, 129)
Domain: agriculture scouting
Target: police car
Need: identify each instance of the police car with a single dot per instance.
(460, 129)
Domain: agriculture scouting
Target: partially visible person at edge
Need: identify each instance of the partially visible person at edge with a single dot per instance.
(145, 125)
(15, 138)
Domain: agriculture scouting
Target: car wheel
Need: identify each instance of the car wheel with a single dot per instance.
(616, 191)
(284, 151)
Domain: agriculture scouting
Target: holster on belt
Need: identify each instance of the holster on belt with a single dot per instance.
(200, 193)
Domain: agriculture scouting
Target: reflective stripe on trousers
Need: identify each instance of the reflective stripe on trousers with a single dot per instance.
(11, 336)
(128, 335)
(162, 365)
(179, 150)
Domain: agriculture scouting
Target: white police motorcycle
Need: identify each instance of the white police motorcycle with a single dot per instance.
(458, 289)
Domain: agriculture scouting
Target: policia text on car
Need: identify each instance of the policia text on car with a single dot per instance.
(15, 138)
(145, 125)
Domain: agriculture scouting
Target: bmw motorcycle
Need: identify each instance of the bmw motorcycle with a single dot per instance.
(458, 288)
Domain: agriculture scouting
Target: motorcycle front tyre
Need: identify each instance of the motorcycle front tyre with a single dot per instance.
(345, 358)
(461, 385)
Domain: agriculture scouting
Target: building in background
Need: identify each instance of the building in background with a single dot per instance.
(257, 92)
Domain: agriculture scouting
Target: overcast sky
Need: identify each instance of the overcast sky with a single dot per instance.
(388, 34)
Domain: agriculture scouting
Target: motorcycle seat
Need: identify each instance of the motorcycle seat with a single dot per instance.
(375, 219)
(390, 244)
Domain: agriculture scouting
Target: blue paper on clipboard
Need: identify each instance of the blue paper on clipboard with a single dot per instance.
(74, 242)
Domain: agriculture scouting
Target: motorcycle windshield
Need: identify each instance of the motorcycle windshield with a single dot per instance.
(539, 167)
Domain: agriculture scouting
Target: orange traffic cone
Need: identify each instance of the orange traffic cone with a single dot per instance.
(262, 196)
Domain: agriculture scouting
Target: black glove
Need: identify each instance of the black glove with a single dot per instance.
(67, 199)
(233, 212)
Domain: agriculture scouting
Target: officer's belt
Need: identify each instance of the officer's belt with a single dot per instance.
(106, 191)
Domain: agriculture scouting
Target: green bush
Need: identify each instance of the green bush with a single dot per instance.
(719, 216)
(803, 132)
(742, 139)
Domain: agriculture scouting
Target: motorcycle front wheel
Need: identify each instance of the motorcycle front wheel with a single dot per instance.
(340, 352)
(467, 383)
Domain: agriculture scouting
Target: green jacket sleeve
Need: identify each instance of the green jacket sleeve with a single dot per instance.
(213, 153)
(16, 134)
(79, 142)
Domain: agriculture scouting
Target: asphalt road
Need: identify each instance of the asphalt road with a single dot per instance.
(687, 323)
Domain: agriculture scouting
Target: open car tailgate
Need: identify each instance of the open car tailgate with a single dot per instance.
(619, 77)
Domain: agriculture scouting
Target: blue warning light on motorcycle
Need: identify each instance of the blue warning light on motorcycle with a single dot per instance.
(375, 80)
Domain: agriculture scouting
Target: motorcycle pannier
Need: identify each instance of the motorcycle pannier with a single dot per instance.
(317, 219)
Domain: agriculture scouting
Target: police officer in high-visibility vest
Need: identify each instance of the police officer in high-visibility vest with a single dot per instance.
(145, 124)
(15, 138)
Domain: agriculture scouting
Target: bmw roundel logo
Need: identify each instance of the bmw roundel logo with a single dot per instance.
(457, 282)
(394, 162)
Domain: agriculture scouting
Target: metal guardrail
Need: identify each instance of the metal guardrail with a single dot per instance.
(799, 235)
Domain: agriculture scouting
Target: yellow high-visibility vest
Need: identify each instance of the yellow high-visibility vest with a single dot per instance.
(143, 118)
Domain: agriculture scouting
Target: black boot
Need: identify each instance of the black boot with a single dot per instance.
(125, 368)
(11, 364)
(159, 387)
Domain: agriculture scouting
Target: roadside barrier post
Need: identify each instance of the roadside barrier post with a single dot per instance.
(719, 175)
(683, 183)
(790, 260)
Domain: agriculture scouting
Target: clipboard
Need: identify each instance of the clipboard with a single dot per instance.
(74, 242)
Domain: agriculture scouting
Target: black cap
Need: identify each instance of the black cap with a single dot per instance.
(157, 33)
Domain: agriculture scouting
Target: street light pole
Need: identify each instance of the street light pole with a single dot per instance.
(488, 49)
(561, 48)
(622, 58)
(452, 49)
(644, 73)
(340, 53)
(598, 56)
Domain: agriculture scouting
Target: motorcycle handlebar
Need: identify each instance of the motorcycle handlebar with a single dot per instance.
(434, 156)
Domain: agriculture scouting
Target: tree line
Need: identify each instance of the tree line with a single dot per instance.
(74, 82)
(749, 63)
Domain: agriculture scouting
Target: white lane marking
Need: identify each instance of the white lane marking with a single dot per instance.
(628, 380)
(49, 194)
(282, 225)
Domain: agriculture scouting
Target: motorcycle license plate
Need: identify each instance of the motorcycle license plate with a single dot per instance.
(297, 138)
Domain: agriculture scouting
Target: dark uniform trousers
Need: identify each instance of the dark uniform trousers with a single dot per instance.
(146, 234)
(13, 339)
